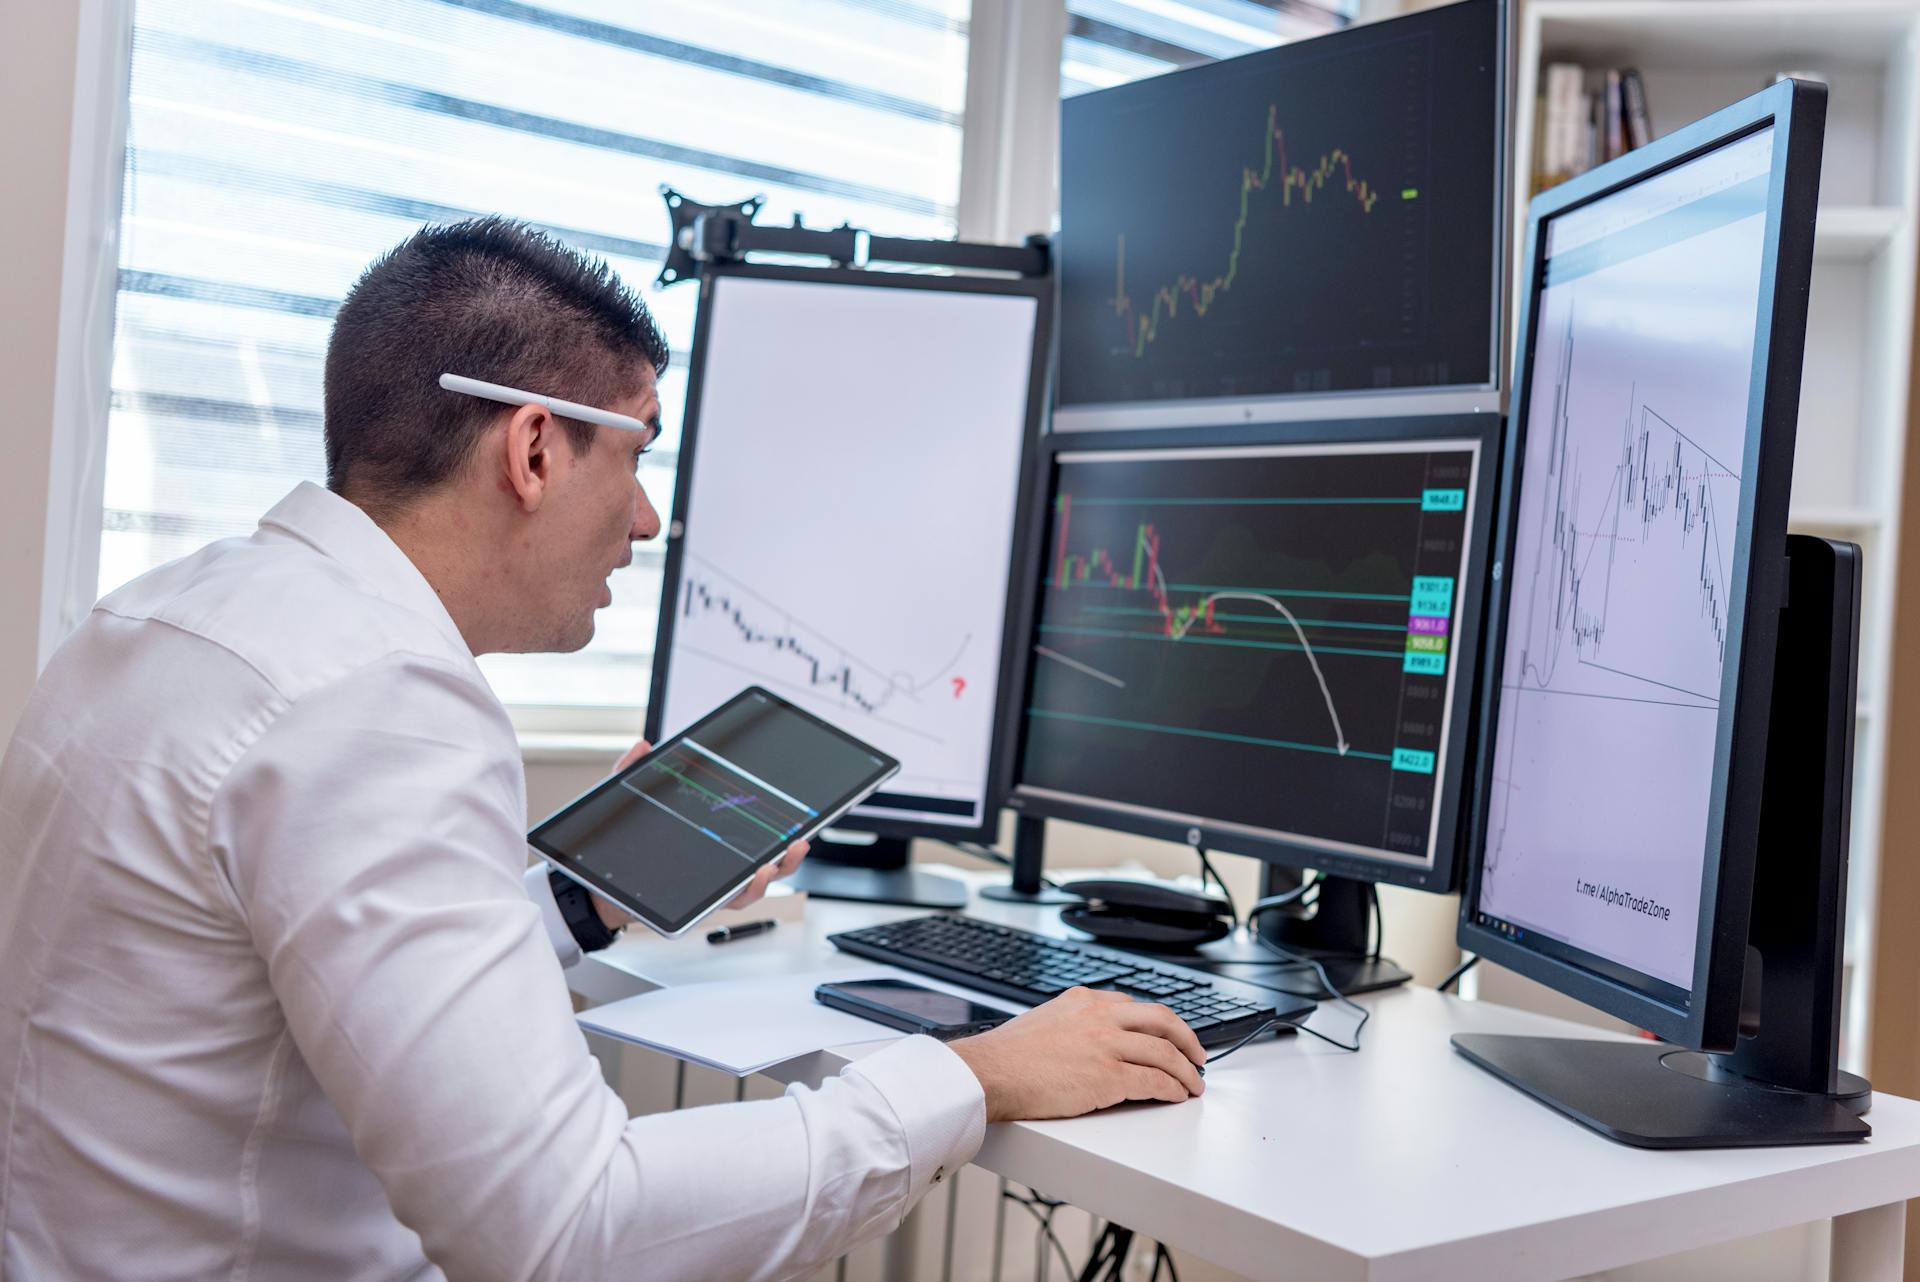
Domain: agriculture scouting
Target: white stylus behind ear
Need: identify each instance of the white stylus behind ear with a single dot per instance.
(565, 409)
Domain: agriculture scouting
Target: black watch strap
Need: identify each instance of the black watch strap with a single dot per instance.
(576, 909)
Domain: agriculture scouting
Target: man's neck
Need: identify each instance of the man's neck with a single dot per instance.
(440, 538)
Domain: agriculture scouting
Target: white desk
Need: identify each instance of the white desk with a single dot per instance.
(1402, 1162)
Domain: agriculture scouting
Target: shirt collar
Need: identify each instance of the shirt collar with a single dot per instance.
(342, 532)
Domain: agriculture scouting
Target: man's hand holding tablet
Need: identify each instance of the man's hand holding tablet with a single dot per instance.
(713, 815)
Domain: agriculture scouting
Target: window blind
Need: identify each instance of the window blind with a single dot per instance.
(1112, 42)
(275, 148)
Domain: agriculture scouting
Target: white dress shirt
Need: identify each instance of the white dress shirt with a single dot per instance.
(275, 1004)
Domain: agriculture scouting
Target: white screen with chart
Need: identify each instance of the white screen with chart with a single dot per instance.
(849, 521)
(1621, 574)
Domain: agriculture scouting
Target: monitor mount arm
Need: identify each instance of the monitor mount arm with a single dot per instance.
(709, 234)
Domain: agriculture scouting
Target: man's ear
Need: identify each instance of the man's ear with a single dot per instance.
(531, 442)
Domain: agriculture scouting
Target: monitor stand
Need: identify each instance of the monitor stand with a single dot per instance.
(1027, 885)
(1782, 1083)
(1336, 931)
(873, 870)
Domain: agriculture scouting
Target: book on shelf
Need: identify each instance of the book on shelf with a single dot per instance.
(1634, 91)
(1586, 117)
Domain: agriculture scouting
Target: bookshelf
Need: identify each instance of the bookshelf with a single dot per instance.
(1698, 55)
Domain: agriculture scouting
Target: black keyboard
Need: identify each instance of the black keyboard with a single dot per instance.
(1028, 968)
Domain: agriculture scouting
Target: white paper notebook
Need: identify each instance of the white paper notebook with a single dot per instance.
(742, 1026)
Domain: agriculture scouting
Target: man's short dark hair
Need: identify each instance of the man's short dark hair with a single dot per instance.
(488, 298)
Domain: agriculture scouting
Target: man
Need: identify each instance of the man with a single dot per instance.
(274, 999)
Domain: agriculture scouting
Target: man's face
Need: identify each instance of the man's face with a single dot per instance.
(599, 512)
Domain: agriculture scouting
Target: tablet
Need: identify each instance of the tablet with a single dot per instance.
(680, 831)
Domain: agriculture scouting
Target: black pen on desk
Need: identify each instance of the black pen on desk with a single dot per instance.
(743, 931)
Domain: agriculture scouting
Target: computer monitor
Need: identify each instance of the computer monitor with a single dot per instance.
(1321, 222)
(1627, 769)
(1262, 639)
(847, 516)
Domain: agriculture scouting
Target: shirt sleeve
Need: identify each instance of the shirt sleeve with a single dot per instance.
(539, 888)
(372, 837)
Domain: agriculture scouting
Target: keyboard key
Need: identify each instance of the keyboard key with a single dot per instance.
(1093, 977)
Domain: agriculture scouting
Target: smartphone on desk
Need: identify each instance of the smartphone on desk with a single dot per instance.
(680, 831)
(911, 1008)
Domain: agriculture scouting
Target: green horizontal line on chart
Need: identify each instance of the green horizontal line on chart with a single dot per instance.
(1190, 639)
(1221, 735)
(1253, 618)
(1248, 502)
(1081, 585)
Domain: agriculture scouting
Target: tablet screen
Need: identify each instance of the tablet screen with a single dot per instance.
(672, 835)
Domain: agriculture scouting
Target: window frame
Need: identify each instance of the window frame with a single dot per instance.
(83, 376)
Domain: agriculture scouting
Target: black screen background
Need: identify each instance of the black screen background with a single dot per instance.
(1325, 297)
(1260, 693)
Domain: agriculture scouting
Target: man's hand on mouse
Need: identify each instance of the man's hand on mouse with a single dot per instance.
(1086, 1049)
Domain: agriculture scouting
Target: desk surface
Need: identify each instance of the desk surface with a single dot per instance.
(1401, 1162)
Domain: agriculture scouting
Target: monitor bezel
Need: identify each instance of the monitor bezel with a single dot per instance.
(999, 754)
(1708, 1018)
(1369, 402)
(1441, 875)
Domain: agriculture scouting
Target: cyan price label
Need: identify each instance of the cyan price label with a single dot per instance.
(1443, 501)
(1425, 663)
(1433, 595)
(1413, 761)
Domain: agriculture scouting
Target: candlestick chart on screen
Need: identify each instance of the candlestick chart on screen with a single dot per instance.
(1269, 224)
(1622, 627)
(725, 622)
